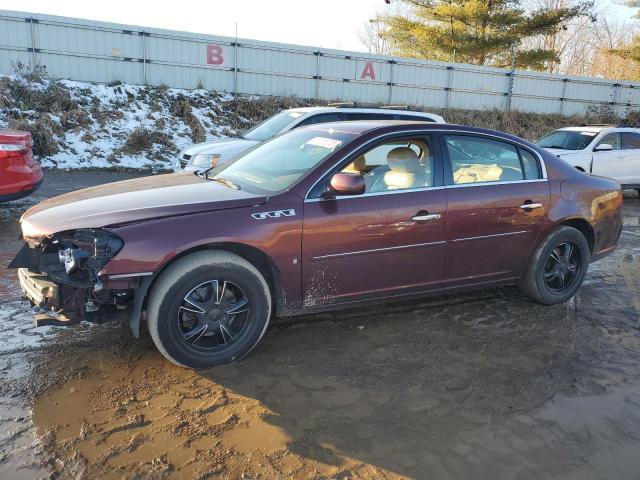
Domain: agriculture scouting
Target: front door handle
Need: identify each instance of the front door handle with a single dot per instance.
(423, 216)
(530, 206)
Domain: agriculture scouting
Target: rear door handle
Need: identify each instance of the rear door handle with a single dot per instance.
(426, 217)
(530, 206)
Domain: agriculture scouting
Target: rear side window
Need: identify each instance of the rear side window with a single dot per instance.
(612, 139)
(530, 165)
(630, 140)
(414, 118)
(479, 160)
(368, 116)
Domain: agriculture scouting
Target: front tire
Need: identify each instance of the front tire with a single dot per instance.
(207, 309)
(558, 267)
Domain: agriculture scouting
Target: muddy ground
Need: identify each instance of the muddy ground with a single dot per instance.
(485, 385)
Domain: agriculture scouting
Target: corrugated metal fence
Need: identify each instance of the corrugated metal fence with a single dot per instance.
(104, 52)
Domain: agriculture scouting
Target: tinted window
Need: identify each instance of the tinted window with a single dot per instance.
(368, 116)
(567, 139)
(413, 118)
(612, 139)
(321, 118)
(630, 140)
(530, 165)
(397, 165)
(478, 160)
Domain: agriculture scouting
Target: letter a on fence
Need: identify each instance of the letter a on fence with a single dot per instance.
(368, 72)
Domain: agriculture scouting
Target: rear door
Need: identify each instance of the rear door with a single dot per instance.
(497, 200)
(630, 171)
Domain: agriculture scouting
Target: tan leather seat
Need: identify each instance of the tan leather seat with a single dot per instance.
(477, 173)
(359, 165)
(404, 170)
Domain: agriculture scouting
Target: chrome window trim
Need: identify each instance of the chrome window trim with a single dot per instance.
(375, 194)
(431, 131)
(377, 250)
(478, 184)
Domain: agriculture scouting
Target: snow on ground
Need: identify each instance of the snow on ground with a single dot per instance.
(84, 125)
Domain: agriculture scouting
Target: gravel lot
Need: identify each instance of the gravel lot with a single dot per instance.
(485, 385)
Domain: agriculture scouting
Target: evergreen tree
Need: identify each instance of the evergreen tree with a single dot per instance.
(483, 32)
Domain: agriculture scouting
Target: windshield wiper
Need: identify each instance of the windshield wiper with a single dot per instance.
(224, 181)
(557, 146)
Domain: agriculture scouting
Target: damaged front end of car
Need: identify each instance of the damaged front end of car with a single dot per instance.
(60, 275)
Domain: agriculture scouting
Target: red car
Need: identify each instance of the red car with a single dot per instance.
(319, 218)
(20, 173)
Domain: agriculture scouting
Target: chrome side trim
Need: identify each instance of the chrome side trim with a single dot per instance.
(377, 250)
(507, 234)
(431, 131)
(129, 275)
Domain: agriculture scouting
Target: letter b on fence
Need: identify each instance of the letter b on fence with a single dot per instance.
(214, 55)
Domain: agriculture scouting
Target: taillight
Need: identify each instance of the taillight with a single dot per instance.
(11, 150)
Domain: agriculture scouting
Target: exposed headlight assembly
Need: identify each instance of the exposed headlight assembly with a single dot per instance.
(85, 252)
(203, 160)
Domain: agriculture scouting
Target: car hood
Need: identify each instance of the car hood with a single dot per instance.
(563, 153)
(221, 147)
(130, 201)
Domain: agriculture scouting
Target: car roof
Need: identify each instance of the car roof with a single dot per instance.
(360, 127)
(387, 111)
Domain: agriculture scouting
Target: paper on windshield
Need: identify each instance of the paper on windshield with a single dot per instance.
(324, 142)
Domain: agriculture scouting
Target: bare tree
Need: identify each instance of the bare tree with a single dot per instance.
(372, 37)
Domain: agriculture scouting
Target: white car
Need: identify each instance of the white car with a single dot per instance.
(208, 154)
(603, 150)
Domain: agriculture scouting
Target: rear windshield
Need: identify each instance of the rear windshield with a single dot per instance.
(567, 139)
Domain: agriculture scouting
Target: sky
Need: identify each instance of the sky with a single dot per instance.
(319, 23)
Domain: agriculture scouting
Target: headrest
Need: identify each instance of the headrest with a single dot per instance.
(359, 164)
(403, 159)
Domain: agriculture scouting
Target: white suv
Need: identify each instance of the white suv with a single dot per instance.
(602, 150)
(205, 155)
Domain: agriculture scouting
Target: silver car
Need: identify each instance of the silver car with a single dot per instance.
(208, 154)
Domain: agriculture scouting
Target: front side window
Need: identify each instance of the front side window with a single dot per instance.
(630, 141)
(321, 118)
(478, 160)
(272, 126)
(567, 139)
(397, 165)
(275, 165)
(612, 139)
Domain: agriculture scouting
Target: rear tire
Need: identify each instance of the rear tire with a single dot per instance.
(558, 267)
(207, 309)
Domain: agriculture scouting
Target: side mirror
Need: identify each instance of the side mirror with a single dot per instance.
(346, 184)
(603, 147)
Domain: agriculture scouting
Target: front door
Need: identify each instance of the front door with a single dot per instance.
(497, 205)
(610, 163)
(387, 241)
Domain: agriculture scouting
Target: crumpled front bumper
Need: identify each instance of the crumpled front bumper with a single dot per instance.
(40, 291)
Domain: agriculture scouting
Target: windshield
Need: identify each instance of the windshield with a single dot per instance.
(271, 126)
(277, 164)
(567, 139)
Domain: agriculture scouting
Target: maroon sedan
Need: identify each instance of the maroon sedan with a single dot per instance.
(319, 218)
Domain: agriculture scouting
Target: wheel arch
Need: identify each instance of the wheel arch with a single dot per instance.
(583, 226)
(265, 265)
